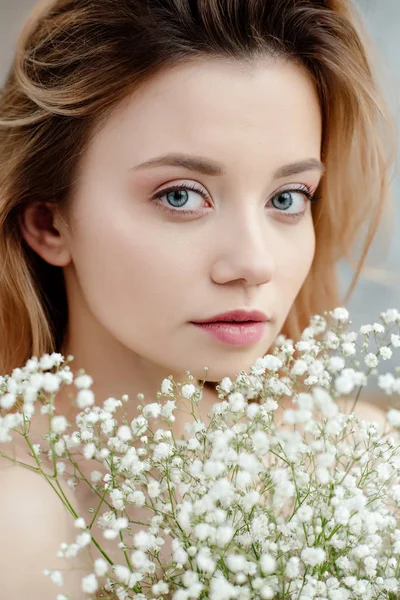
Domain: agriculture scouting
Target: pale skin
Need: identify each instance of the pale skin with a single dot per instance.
(137, 275)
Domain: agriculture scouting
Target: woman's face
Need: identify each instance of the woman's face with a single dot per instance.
(244, 144)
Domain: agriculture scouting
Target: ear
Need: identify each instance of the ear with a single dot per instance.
(45, 232)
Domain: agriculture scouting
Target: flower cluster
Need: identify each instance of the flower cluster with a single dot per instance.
(252, 509)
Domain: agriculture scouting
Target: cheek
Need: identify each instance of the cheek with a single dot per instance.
(127, 269)
(294, 262)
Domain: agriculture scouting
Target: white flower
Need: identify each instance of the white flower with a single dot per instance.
(349, 348)
(162, 451)
(80, 523)
(224, 534)
(100, 567)
(370, 564)
(117, 499)
(204, 560)
(85, 398)
(252, 410)
(270, 405)
(366, 329)
(384, 470)
(393, 417)
(111, 404)
(188, 390)
(143, 540)
(137, 498)
(299, 367)
(340, 314)
(167, 387)
(89, 584)
(272, 363)
(267, 564)
(313, 556)
(47, 362)
(59, 424)
(124, 433)
(336, 363)
(349, 336)
(89, 450)
(83, 539)
(237, 402)
(385, 352)
(395, 339)
(236, 562)
(260, 442)
(202, 531)
(304, 513)
(168, 409)
(153, 488)
(323, 475)
(378, 328)
(213, 468)
(123, 574)
(292, 567)
(179, 555)
(390, 316)
(331, 340)
(160, 588)
(55, 576)
(258, 368)
(226, 384)
(386, 382)
(220, 589)
(151, 410)
(83, 382)
(139, 426)
(139, 559)
(7, 401)
(344, 384)
(395, 493)
(371, 361)
(342, 515)
(51, 383)
(95, 476)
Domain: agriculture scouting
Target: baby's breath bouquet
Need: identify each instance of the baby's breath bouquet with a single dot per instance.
(251, 509)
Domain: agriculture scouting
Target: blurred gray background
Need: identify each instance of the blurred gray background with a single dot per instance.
(379, 287)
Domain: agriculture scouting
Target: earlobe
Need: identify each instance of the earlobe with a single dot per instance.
(41, 230)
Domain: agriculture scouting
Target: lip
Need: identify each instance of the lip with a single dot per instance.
(237, 328)
(239, 315)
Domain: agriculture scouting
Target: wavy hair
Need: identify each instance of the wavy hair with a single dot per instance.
(75, 60)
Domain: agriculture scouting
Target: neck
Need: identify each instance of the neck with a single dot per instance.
(112, 381)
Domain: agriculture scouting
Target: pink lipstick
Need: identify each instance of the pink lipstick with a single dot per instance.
(237, 328)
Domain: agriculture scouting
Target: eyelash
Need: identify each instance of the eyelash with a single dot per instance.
(310, 195)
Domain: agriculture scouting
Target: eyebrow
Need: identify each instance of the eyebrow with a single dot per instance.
(206, 166)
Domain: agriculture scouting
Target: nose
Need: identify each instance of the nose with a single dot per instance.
(245, 253)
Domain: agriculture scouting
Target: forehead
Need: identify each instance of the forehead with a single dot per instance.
(220, 106)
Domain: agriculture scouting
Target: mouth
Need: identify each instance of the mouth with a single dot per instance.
(238, 327)
(234, 333)
(237, 316)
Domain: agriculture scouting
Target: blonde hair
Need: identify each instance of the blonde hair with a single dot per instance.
(76, 59)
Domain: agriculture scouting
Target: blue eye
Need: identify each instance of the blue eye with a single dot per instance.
(285, 201)
(177, 196)
(291, 202)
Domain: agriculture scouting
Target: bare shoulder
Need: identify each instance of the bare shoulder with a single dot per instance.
(33, 524)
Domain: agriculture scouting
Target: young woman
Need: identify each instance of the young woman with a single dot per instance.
(163, 163)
